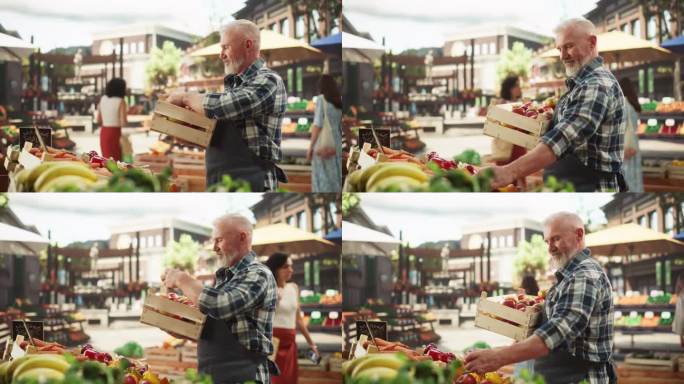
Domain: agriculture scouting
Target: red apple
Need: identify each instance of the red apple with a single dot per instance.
(521, 296)
(519, 111)
(130, 379)
(90, 354)
(510, 302)
(469, 379)
(538, 299)
(532, 113)
(521, 306)
(530, 303)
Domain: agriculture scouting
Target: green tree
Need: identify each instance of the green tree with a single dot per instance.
(349, 202)
(531, 257)
(328, 13)
(163, 65)
(514, 62)
(182, 254)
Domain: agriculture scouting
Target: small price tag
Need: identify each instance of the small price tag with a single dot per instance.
(633, 314)
(666, 315)
(649, 315)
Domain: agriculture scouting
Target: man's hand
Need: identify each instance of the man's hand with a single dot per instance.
(484, 360)
(502, 176)
(176, 97)
(309, 154)
(172, 278)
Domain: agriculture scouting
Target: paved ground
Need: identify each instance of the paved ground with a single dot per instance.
(458, 338)
(456, 140)
(120, 332)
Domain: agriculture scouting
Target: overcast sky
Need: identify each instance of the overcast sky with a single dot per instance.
(442, 216)
(89, 216)
(63, 23)
(428, 23)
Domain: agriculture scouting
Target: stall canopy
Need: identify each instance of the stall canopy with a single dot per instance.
(618, 46)
(674, 45)
(360, 240)
(329, 44)
(16, 240)
(274, 47)
(335, 235)
(357, 49)
(288, 239)
(14, 49)
(631, 239)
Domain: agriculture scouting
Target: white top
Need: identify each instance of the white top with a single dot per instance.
(109, 108)
(286, 311)
(678, 321)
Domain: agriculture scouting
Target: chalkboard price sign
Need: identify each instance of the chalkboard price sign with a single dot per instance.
(28, 134)
(366, 136)
(35, 327)
(378, 328)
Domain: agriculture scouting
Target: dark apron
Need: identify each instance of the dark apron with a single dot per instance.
(220, 355)
(561, 367)
(585, 179)
(228, 154)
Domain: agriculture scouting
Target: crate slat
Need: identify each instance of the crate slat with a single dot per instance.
(183, 114)
(501, 114)
(166, 323)
(502, 328)
(509, 135)
(187, 133)
(163, 304)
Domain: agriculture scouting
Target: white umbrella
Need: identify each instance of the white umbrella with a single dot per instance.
(354, 232)
(359, 49)
(16, 48)
(10, 233)
(274, 47)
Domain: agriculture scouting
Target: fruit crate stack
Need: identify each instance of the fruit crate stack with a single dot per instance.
(190, 172)
(169, 313)
(509, 316)
(183, 124)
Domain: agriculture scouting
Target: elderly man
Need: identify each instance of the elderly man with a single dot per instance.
(584, 144)
(575, 339)
(236, 339)
(246, 141)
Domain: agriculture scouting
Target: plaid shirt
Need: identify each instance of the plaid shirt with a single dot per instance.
(580, 315)
(255, 101)
(590, 122)
(246, 301)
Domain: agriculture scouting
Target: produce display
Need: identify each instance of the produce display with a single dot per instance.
(52, 363)
(398, 368)
(543, 111)
(180, 299)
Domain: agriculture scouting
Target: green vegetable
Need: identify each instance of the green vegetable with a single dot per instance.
(227, 184)
(469, 156)
(130, 349)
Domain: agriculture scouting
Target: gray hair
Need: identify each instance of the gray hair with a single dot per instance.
(565, 217)
(235, 219)
(579, 24)
(247, 29)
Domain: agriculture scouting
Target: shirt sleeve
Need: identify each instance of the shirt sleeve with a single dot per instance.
(318, 114)
(254, 98)
(571, 313)
(581, 119)
(237, 296)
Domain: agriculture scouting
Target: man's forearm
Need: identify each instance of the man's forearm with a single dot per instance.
(538, 158)
(531, 348)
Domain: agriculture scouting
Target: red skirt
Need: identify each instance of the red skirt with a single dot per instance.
(286, 358)
(110, 142)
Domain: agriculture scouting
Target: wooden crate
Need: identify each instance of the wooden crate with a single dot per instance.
(318, 377)
(629, 375)
(159, 312)
(498, 115)
(162, 354)
(182, 123)
(188, 352)
(488, 309)
(155, 163)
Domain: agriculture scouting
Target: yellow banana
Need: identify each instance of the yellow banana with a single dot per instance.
(13, 365)
(55, 362)
(20, 179)
(36, 172)
(403, 183)
(41, 374)
(349, 365)
(383, 360)
(367, 174)
(378, 373)
(3, 370)
(70, 168)
(397, 169)
(493, 377)
(355, 178)
(61, 182)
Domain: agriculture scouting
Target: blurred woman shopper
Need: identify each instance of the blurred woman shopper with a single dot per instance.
(504, 152)
(287, 316)
(111, 116)
(632, 160)
(326, 138)
(678, 321)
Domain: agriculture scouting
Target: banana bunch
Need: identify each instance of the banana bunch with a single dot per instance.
(373, 367)
(56, 176)
(40, 367)
(389, 177)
